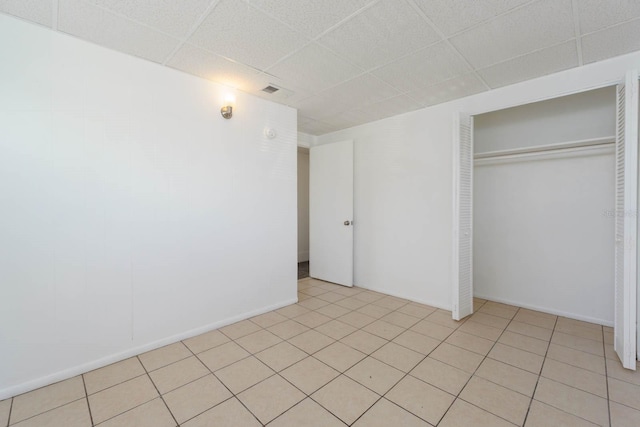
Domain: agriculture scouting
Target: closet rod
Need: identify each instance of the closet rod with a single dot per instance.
(549, 148)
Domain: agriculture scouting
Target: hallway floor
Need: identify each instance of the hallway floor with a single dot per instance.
(303, 270)
(349, 356)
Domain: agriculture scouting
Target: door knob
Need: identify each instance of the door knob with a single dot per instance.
(347, 223)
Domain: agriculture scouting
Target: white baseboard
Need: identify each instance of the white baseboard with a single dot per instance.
(15, 390)
(548, 310)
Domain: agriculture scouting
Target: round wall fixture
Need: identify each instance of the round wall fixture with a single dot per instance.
(270, 133)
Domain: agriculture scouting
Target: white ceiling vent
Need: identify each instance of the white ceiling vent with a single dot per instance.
(271, 89)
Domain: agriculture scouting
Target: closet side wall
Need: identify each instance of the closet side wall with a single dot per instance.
(543, 228)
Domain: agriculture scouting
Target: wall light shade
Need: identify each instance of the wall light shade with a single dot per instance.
(227, 108)
(227, 111)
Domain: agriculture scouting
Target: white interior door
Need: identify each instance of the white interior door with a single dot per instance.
(626, 221)
(331, 212)
(463, 217)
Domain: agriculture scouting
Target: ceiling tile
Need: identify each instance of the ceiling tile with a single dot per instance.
(242, 33)
(347, 119)
(452, 16)
(614, 41)
(205, 64)
(318, 107)
(314, 67)
(96, 25)
(538, 25)
(423, 68)
(386, 31)
(458, 87)
(362, 90)
(530, 66)
(391, 107)
(310, 17)
(598, 14)
(313, 127)
(37, 11)
(172, 17)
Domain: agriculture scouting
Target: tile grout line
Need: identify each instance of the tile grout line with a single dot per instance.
(233, 395)
(484, 358)
(43, 412)
(606, 376)
(457, 396)
(405, 374)
(381, 396)
(10, 409)
(86, 395)
(544, 360)
(158, 391)
(568, 385)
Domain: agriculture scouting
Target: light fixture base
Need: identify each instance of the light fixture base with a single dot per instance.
(227, 111)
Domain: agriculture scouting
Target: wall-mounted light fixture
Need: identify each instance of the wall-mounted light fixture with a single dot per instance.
(227, 108)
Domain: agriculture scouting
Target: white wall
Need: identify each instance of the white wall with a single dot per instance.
(403, 182)
(541, 230)
(132, 213)
(542, 235)
(306, 140)
(303, 204)
(587, 115)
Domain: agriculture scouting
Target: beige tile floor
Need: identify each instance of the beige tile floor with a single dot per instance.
(349, 356)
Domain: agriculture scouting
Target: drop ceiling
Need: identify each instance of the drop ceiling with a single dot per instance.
(346, 62)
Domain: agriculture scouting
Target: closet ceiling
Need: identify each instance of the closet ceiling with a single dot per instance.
(347, 62)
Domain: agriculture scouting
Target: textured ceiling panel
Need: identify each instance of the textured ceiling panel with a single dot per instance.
(310, 17)
(598, 14)
(243, 33)
(345, 62)
(313, 127)
(618, 40)
(95, 24)
(458, 87)
(423, 68)
(172, 17)
(380, 34)
(205, 64)
(314, 67)
(320, 107)
(532, 65)
(538, 25)
(452, 16)
(39, 11)
(362, 90)
(390, 107)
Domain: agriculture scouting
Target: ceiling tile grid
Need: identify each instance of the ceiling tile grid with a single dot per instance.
(97, 25)
(210, 66)
(539, 63)
(384, 32)
(598, 14)
(240, 32)
(314, 67)
(538, 25)
(612, 41)
(175, 18)
(38, 11)
(310, 17)
(423, 68)
(453, 16)
(458, 87)
(345, 62)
